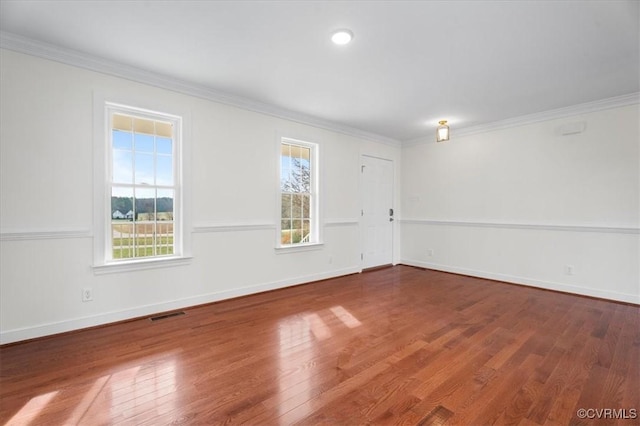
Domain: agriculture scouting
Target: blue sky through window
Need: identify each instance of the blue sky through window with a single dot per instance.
(142, 159)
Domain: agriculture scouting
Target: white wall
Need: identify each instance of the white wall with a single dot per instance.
(521, 204)
(48, 196)
(517, 204)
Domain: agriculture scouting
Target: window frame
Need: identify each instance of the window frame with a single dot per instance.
(103, 254)
(315, 240)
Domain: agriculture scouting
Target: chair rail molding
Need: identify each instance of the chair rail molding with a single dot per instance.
(532, 226)
(44, 234)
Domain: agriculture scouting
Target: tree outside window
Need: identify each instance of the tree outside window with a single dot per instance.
(297, 195)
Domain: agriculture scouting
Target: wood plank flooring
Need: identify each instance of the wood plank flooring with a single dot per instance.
(393, 346)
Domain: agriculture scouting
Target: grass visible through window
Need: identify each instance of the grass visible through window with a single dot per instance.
(131, 240)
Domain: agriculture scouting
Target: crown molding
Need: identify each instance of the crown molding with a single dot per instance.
(79, 59)
(584, 108)
(75, 58)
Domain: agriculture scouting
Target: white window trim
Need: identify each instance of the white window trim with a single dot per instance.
(141, 264)
(316, 217)
(299, 248)
(101, 216)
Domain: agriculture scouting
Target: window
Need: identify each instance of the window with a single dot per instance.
(298, 193)
(143, 184)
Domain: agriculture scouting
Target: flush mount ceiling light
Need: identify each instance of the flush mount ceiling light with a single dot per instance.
(342, 37)
(442, 132)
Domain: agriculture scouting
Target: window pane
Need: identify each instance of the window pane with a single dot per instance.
(285, 179)
(164, 146)
(294, 176)
(285, 168)
(164, 238)
(299, 175)
(164, 129)
(305, 176)
(122, 140)
(164, 224)
(305, 154)
(285, 236)
(285, 150)
(145, 204)
(145, 222)
(296, 206)
(122, 240)
(122, 234)
(143, 243)
(122, 204)
(295, 151)
(144, 169)
(286, 206)
(122, 166)
(142, 125)
(306, 201)
(306, 229)
(164, 204)
(144, 143)
(122, 122)
(296, 232)
(164, 170)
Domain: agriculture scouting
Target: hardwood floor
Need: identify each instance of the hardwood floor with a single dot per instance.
(393, 346)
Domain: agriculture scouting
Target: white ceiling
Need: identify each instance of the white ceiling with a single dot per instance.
(410, 63)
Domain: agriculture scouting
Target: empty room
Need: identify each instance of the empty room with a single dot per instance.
(319, 212)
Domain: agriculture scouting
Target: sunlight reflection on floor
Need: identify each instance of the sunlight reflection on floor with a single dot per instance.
(113, 398)
(345, 316)
(31, 409)
(150, 388)
(299, 336)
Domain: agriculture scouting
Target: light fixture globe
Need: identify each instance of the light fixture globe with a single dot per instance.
(342, 37)
(442, 132)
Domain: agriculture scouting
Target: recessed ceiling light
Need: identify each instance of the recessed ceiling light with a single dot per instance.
(342, 36)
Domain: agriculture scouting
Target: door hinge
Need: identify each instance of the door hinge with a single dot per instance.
(361, 212)
(362, 168)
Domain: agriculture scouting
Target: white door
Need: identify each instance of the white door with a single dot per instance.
(377, 211)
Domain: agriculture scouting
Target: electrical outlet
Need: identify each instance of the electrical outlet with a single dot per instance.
(87, 294)
(569, 270)
(330, 259)
(430, 252)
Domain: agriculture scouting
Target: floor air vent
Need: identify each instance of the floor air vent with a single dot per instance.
(169, 315)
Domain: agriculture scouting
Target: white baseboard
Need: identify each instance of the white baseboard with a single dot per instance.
(27, 333)
(530, 282)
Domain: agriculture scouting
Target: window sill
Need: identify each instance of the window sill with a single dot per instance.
(142, 264)
(299, 248)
